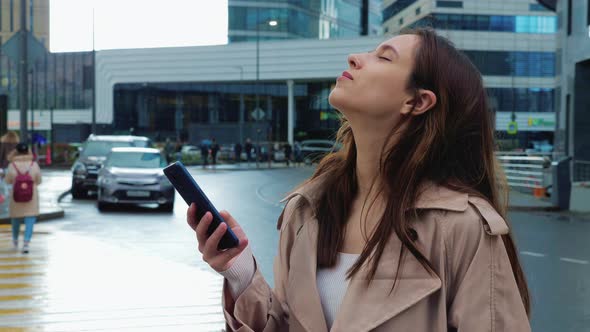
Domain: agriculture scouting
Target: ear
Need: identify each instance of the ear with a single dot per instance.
(424, 101)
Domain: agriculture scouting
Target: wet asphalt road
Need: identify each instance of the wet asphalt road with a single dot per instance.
(555, 248)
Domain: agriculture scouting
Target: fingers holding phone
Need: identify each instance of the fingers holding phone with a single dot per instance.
(208, 245)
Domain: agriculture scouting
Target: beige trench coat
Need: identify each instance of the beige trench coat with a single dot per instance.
(473, 290)
(26, 209)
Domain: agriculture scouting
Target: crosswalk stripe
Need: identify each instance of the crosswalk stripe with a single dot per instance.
(18, 275)
(16, 266)
(15, 286)
(15, 297)
(5, 312)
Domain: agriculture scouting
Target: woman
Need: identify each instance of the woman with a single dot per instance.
(26, 208)
(403, 229)
(8, 143)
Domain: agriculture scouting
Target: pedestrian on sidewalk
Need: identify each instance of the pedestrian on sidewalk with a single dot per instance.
(288, 150)
(8, 144)
(248, 148)
(214, 150)
(25, 175)
(238, 153)
(404, 228)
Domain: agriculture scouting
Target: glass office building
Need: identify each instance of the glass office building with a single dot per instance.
(197, 111)
(318, 19)
(57, 80)
(512, 43)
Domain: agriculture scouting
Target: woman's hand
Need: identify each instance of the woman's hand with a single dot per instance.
(218, 260)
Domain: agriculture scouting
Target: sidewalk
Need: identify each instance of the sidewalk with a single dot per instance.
(244, 166)
(49, 191)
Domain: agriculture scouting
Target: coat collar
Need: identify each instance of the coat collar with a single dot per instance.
(375, 301)
(22, 157)
(430, 195)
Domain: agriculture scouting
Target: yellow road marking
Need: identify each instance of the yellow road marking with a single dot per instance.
(14, 259)
(15, 298)
(16, 266)
(15, 311)
(18, 275)
(15, 286)
(17, 329)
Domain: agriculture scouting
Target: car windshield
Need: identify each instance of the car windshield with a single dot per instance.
(102, 148)
(135, 160)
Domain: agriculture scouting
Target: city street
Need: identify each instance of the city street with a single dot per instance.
(138, 269)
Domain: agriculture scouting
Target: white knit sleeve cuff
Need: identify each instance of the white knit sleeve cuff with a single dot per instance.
(240, 274)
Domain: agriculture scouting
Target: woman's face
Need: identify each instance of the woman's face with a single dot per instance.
(375, 82)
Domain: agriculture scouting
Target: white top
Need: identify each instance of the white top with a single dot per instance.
(331, 282)
(332, 285)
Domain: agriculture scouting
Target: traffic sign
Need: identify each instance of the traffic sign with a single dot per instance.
(512, 128)
(257, 114)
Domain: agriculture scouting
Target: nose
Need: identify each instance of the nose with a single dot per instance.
(353, 61)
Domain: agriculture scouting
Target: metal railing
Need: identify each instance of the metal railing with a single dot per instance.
(581, 170)
(526, 171)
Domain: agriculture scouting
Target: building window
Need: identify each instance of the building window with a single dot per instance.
(535, 7)
(450, 4)
(11, 15)
(395, 8)
(505, 63)
(522, 99)
(0, 15)
(401, 21)
(418, 10)
(569, 17)
(518, 24)
(31, 14)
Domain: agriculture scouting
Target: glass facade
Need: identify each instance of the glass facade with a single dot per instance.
(450, 4)
(396, 7)
(162, 110)
(198, 111)
(58, 80)
(501, 23)
(506, 63)
(522, 99)
(301, 19)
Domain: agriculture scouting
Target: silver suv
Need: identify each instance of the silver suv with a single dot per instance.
(91, 157)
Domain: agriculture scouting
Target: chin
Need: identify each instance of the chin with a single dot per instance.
(337, 99)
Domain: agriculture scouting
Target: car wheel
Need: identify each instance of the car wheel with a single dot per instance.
(78, 192)
(102, 206)
(168, 207)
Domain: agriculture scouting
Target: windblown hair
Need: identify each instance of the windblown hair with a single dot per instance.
(451, 145)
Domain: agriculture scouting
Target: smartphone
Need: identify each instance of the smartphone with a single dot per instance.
(190, 191)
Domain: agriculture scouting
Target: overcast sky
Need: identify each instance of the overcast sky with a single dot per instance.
(136, 23)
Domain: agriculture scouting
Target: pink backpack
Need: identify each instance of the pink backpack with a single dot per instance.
(22, 190)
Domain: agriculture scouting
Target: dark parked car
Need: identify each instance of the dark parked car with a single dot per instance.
(314, 150)
(91, 156)
(134, 176)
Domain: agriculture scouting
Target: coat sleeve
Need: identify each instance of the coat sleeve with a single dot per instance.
(10, 174)
(260, 308)
(483, 294)
(36, 172)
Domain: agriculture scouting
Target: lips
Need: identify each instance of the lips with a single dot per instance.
(347, 75)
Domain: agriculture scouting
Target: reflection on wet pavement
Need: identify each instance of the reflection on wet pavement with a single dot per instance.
(62, 285)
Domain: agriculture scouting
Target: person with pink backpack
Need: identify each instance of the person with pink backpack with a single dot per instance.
(25, 175)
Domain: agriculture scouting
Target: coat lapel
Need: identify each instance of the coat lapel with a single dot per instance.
(377, 302)
(302, 293)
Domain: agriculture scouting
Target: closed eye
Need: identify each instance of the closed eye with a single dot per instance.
(384, 58)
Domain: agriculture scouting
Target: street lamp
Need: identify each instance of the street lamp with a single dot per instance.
(272, 23)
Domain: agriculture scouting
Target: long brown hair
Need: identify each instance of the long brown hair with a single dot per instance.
(451, 145)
